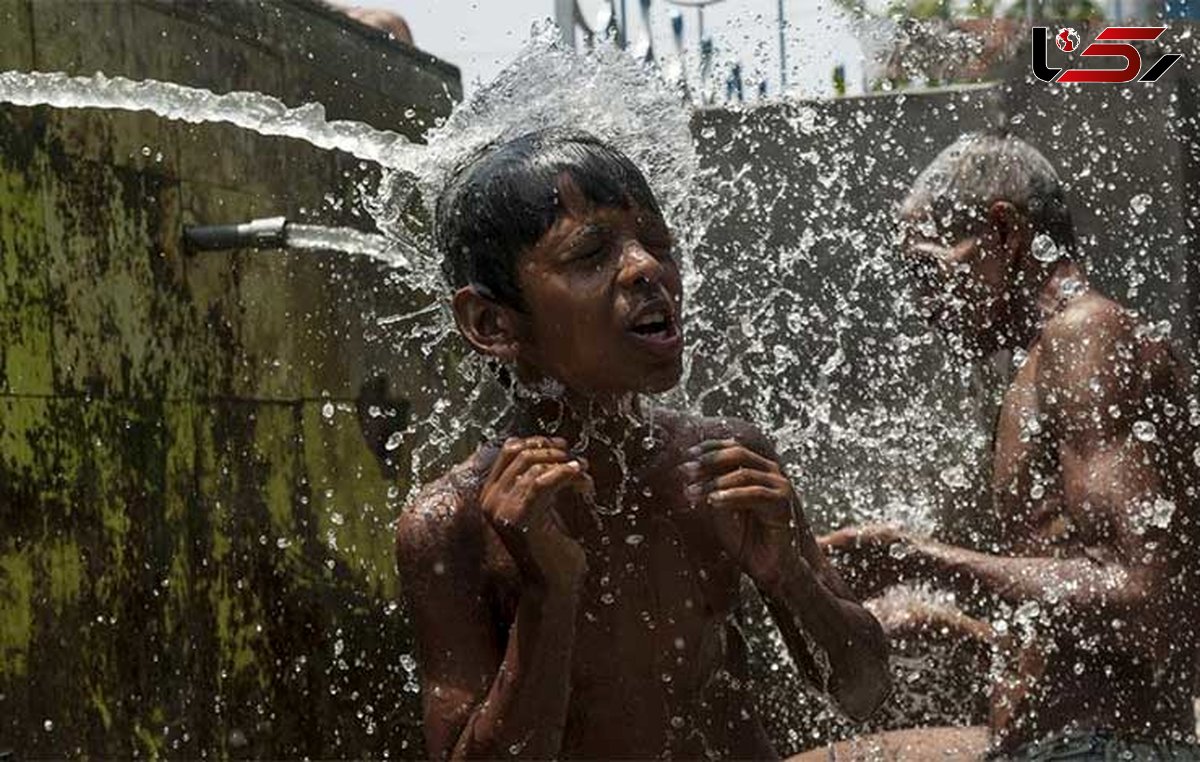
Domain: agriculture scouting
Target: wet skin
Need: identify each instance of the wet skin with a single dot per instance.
(550, 623)
(1113, 647)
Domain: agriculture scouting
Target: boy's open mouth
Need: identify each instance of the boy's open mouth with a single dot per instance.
(654, 326)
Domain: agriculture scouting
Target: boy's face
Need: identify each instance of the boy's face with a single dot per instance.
(603, 294)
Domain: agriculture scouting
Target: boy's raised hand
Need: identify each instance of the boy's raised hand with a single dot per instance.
(518, 500)
(750, 501)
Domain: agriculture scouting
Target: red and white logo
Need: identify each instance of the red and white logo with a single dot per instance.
(1067, 40)
(1112, 42)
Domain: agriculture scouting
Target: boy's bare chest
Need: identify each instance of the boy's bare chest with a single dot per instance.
(658, 591)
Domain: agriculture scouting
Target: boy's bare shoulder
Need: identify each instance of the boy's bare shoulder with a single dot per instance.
(443, 514)
(1094, 330)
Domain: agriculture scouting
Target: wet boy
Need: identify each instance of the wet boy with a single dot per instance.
(574, 586)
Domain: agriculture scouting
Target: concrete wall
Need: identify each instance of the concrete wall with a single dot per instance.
(196, 556)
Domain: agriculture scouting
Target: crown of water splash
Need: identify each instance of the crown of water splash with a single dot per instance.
(602, 91)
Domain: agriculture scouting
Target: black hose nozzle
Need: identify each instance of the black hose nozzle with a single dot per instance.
(266, 233)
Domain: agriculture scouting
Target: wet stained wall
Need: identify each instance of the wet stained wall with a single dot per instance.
(196, 555)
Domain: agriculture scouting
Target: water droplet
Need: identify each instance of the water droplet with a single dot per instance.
(1027, 613)
(146, 151)
(393, 441)
(1196, 456)
(1144, 431)
(677, 722)
(634, 539)
(607, 598)
(48, 725)
(327, 410)
(955, 477)
(1140, 203)
(337, 518)
(1071, 287)
(283, 543)
(1160, 513)
(1044, 249)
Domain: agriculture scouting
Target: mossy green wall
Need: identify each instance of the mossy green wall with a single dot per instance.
(196, 555)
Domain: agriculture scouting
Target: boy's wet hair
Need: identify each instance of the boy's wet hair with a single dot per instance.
(507, 196)
(984, 167)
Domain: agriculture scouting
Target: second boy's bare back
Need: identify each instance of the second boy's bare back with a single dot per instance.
(574, 586)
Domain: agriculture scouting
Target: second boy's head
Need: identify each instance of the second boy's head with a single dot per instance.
(563, 266)
(982, 226)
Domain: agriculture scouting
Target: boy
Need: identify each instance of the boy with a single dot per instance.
(1093, 472)
(573, 586)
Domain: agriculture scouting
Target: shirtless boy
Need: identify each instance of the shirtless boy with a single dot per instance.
(1094, 472)
(574, 585)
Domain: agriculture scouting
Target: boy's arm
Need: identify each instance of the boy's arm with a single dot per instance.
(1109, 476)
(758, 518)
(484, 697)
(812, 606)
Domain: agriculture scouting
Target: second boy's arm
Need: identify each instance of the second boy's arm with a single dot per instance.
(1111, 479)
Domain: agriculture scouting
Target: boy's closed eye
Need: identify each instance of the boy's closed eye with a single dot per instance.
(588, 244)
(658, 241)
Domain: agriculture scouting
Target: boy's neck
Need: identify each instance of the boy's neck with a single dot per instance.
(577, 418)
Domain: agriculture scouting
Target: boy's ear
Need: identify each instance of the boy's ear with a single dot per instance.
(489, 326)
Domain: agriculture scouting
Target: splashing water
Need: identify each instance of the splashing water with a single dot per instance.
(390, 251)
(601, 91)
(252, 111)
(871, 429)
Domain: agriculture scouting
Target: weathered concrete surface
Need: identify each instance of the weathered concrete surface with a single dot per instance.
(196, 556)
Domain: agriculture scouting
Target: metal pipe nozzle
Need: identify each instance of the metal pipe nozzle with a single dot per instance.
(265, 233)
